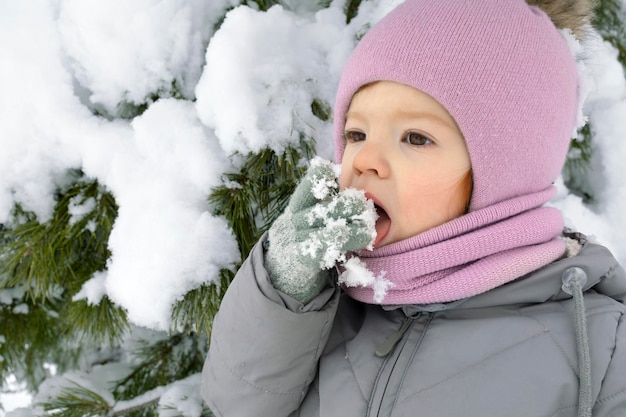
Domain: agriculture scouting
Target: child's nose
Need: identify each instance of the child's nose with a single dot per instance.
(372, 158)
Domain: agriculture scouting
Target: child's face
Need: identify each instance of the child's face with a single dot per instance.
(407, 153)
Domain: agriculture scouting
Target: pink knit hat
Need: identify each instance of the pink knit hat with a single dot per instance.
(508, 78)
(502, 70)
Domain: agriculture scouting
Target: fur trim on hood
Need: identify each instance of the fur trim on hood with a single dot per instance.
(575, 15)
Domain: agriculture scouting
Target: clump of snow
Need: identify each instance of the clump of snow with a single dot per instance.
(9, 295)
(94, 289)
(263, 71)
(585, 81)
(14, 398)
(300, 7)
(322, 186)
(36, 92)
(79, 207)
(147, 397)
(21, 309)
(182, 398)
(121, 51)
(19, 406)
(24, 412)
(356, 274)
(165, 242)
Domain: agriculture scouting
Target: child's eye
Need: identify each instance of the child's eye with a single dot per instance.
(417, 139)
(354, 136)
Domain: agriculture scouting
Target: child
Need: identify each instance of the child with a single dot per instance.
(461, 295)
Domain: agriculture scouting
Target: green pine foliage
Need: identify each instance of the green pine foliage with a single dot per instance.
(153, 364)
(577, 165)
(258, 191)
(77, 401)
(42, 266)
(196, 310)
(31, 338)
(161, 363)
(351, 8)
(63, 250)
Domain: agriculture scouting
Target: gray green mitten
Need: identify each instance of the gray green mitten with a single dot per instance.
(318, 227)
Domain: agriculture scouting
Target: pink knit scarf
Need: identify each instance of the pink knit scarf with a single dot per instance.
(468, 255)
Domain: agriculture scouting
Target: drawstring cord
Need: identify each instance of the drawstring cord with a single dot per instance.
(574, 279)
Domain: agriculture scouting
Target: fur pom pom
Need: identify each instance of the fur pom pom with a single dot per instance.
(575, 15)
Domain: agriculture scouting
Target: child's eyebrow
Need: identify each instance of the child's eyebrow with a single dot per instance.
(411, 115)
(407, 115)
(355, 114)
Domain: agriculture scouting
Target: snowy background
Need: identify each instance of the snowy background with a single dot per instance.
(69, 68)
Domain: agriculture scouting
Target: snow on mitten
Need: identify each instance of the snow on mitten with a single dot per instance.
(318, 227)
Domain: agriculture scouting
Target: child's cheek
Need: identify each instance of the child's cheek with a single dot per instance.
(344, 182)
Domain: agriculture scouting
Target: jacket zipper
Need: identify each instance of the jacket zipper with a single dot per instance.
(391, 360)
(384, 349)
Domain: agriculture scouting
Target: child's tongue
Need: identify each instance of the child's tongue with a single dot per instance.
(383, 223)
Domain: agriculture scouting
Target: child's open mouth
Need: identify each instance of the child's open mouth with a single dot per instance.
(383, 224)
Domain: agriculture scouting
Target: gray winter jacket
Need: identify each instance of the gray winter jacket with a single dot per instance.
(512, 351)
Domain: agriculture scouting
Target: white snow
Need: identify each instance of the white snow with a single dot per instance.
(16, 398)
(182, 398)
(324, 187)
(263, 71)
(94, 289)
(121, 51)
(160, 166)
(8, 295)
(79, 207)
(356, 274)
(585, 81)
(253, 83)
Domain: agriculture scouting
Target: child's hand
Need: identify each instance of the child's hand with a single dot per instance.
(327, 222)
(316, 230)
